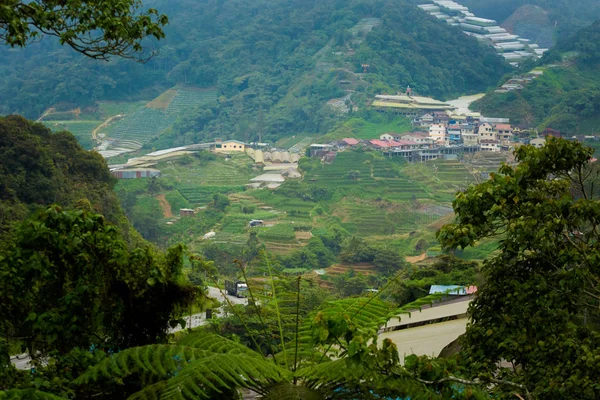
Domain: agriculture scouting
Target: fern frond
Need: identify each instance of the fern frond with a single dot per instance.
(27, 394)
(214, 343)
(190, 372)
(345, 378)
(289, 391)
(156, 360)
(213, 375)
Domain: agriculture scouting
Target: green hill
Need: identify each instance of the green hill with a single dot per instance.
(566, 97)
(273, 65)
(39, 168)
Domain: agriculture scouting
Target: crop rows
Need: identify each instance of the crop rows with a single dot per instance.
(146, 122)
(204, 194)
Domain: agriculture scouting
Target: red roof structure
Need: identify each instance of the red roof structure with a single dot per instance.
(503, 127)
(379, 143)
(350, 141)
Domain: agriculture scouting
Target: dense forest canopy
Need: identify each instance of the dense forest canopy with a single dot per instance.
(274, 64)
(38, 168)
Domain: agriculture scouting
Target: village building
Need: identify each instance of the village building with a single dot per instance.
(319, 150)
(186, 212)
(454, 134)
(228, 146)
(386, 136)
(349, 142)
(486, 132)
(419, 137)
(437, 132)
(489, 145)
(409, 105)
(135, 173)
(505, 133)
(470, 139)
(424, 120)
(440, 117)
(538, 143)
(329, 157)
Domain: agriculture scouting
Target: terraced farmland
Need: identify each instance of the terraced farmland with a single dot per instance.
(204, 194)
(441, 178)
(366, 218)
(377, 177)
(148, 122)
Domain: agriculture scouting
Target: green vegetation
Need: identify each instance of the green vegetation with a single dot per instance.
(371, 126)
(545, 270)
(97, 31)
(38, 168)
(272, 75)
(565, 97)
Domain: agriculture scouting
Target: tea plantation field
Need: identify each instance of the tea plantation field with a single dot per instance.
(149, 121)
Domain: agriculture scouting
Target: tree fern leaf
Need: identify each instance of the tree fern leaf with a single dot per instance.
(157, 360)
(215, 344)
(188, 373)
(218, 372)
(27, 394)
(288, 391)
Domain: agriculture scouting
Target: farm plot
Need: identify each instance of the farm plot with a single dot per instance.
(149, 121)
(349, 170)
(204, 194)
(235, 171)
(295, 208)
(81, 129)
(372, 218)
(370, 174)
(442, 178)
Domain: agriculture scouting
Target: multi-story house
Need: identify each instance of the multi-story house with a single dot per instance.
(438, 133)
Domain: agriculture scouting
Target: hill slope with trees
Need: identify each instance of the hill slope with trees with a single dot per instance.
(566, 97)
(39, 168)
(274, 63)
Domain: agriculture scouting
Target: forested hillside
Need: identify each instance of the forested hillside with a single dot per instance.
(566, 97)
(274, 64)
(39, 168)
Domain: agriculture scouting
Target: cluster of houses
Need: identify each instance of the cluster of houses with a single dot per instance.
(489, 135)
(439, 137)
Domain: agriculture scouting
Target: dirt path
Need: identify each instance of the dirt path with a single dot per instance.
(102, 125)
(165, 205)
(45, 114)
(416, 258)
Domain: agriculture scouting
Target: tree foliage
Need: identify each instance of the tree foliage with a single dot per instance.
(97, 29)
(538, 308)
(39, 168)
(71, 281)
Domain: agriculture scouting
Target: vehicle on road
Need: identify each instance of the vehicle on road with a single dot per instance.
(236, 288)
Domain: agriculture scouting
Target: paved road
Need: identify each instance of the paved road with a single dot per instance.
(22, 361)
(200, 319)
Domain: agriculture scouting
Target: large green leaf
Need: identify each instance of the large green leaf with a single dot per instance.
(27, 394)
